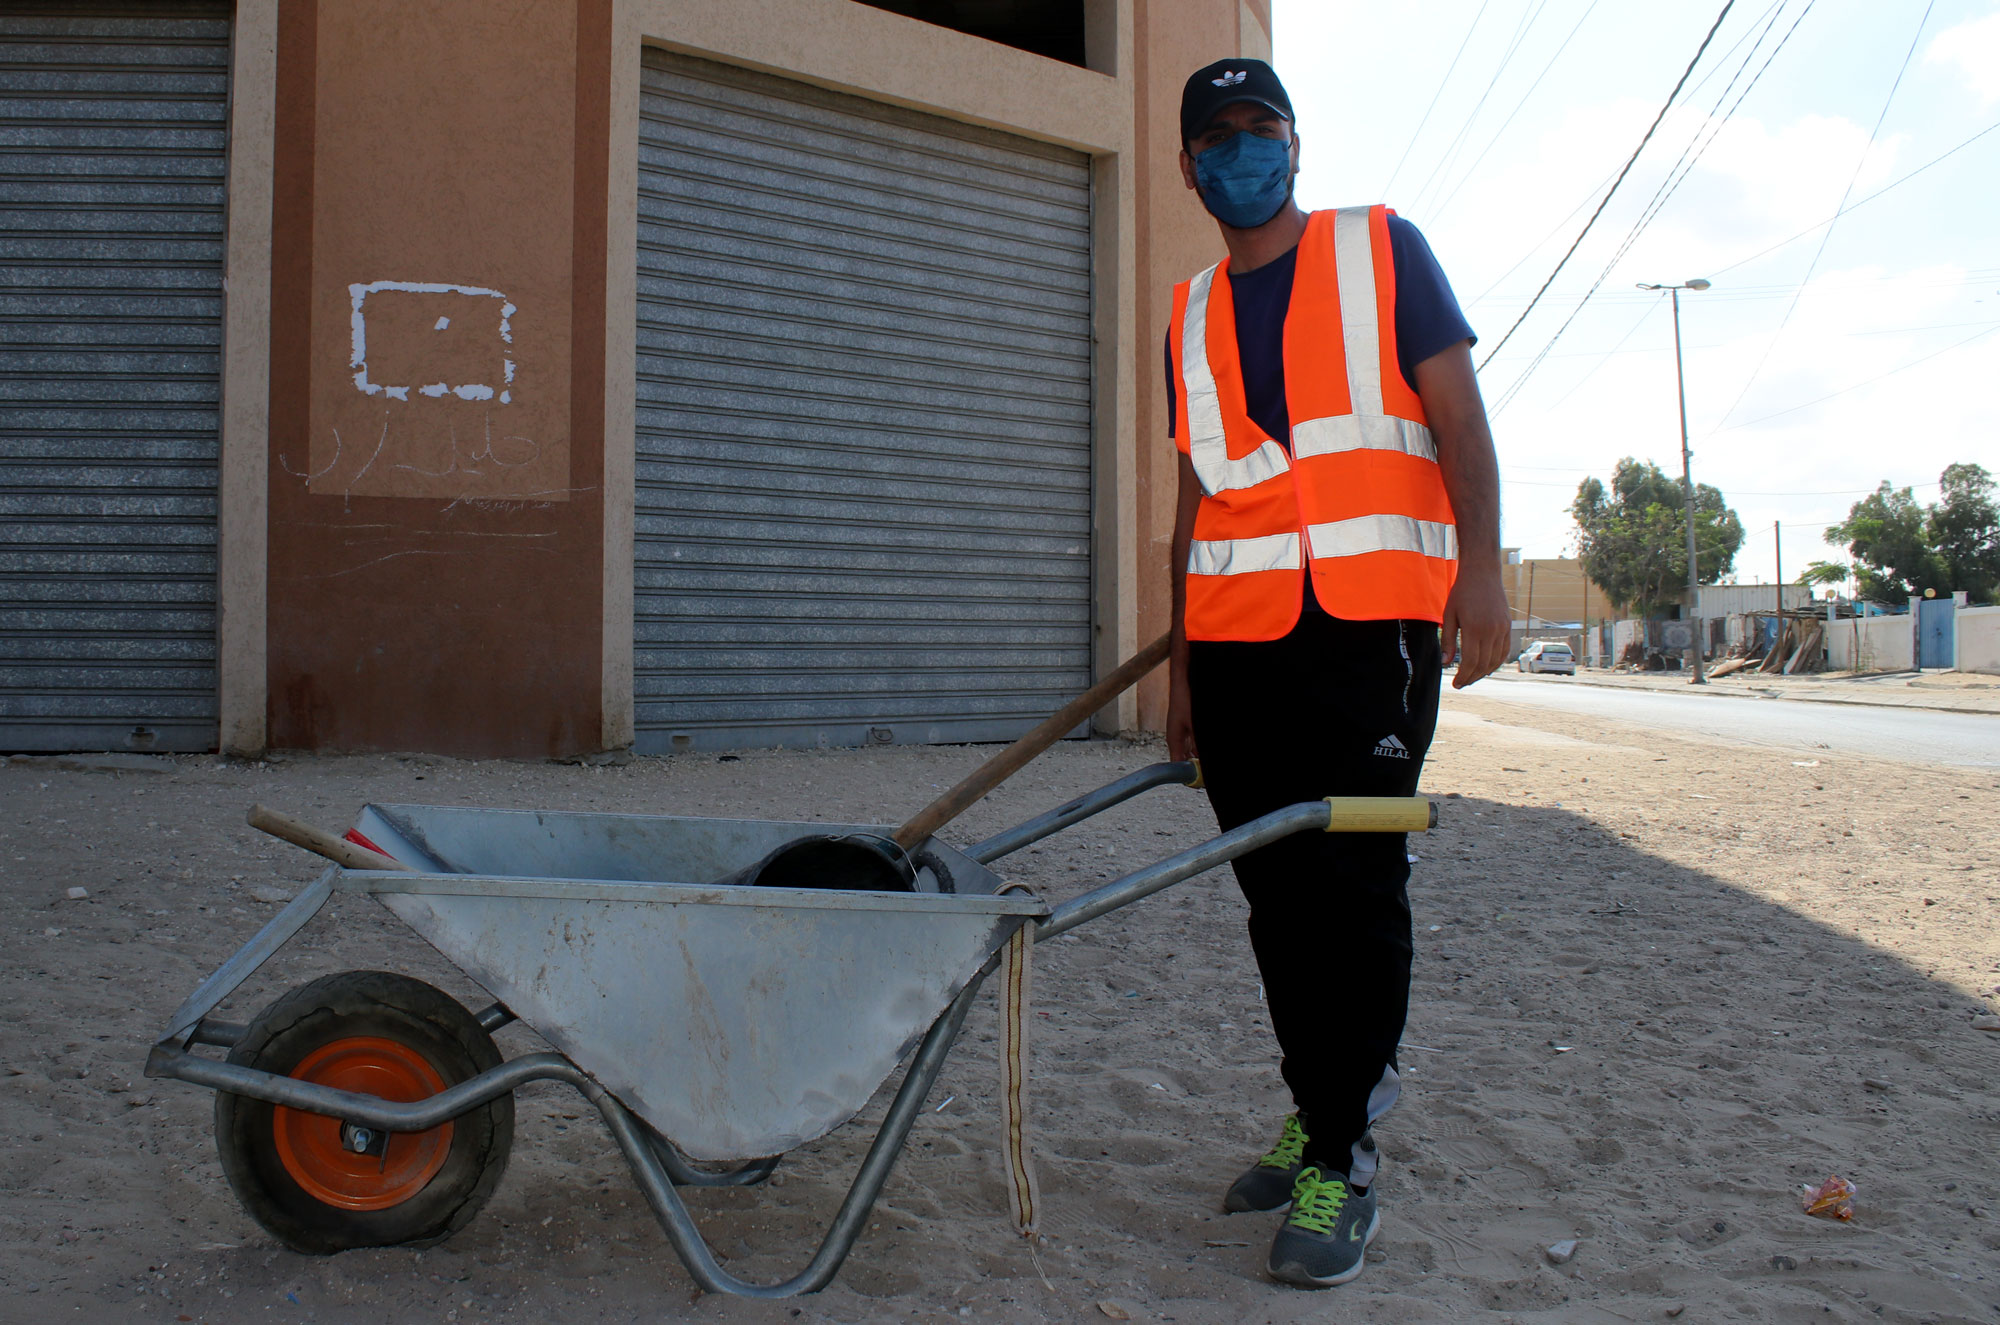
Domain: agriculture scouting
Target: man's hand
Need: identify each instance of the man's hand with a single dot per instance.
(1478, 628)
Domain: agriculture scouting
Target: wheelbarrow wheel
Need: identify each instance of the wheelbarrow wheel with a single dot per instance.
(320, 1187)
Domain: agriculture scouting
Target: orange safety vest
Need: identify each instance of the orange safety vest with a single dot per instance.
(1360, 493)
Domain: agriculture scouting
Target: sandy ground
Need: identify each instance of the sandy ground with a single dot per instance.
(1659, 986)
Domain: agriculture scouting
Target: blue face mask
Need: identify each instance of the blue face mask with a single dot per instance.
(1246, 180)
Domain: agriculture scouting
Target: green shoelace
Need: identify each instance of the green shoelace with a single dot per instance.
(1291, 1146)
(1316, 1202)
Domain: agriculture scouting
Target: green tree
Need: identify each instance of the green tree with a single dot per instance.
(1632, 538)
(1901, 549)
(1893, 558)
(1965, 529)
(1825, 572)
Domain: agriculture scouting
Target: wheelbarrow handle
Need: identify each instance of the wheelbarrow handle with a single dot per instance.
(1012, 759)
(1335, 814)
(336, 849)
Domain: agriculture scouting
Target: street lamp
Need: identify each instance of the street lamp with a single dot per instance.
(1687, 472)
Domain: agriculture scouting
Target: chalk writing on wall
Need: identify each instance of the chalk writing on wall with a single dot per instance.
(435, 401)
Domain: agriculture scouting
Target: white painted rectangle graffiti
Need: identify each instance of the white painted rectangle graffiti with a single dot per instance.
(478, 309)
(449, 391)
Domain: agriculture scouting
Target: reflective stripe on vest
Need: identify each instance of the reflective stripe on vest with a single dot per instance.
(1354, 268)
(1208, 448)
(1383, 533)
(1362, 432)
(1241, 556)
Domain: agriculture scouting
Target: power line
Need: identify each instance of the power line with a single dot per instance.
(1671, 184)
(1727, 6)
(1536, 248)
(1790, 308)
(1442, 84)
(1756, 293)
(1858, 385)
(1521, 31)
(1653, 308)
(1859, 203)
(1533, 87)
(1719, 344)
(1521, 261)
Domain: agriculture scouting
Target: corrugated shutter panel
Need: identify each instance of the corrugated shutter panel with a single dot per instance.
(864, 387)
(112, 134)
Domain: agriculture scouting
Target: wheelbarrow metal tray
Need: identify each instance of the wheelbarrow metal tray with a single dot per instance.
(739, 1021)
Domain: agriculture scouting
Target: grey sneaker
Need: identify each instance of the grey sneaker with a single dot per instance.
(1323, 1240)
(1267, 1184)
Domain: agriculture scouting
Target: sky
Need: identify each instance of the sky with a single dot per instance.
(1815, 368)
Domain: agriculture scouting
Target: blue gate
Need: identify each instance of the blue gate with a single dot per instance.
(1934, 634)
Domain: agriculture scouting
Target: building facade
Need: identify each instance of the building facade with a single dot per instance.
(530, 379)
(1542, 590)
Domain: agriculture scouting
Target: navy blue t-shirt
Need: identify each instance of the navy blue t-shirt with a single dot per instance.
(1427, 320)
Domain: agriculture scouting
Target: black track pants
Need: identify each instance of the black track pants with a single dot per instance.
(1336, 708)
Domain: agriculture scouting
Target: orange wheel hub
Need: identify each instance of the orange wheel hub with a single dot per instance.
(310, 1144)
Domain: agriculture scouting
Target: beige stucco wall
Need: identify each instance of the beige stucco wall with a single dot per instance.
(1554, 589)
(243, 494)
(1176, 239)
(1148, 234)
(1976, 639)
(1872, 644)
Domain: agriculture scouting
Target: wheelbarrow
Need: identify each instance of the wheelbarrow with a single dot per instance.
(714, 1026)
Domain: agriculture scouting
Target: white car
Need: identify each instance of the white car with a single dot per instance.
(1547, 656)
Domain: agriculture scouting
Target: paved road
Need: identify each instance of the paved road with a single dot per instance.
(1913, 736)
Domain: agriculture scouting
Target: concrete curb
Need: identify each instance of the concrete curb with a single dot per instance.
(1982, 705)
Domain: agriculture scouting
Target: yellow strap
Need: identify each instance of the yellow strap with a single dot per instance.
(1023, 1196)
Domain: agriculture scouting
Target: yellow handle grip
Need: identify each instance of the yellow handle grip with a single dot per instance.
(1380, 814)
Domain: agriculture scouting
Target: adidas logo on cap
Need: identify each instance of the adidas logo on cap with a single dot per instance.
(1230, 78)
(1391, 748)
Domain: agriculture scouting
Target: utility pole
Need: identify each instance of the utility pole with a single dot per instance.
(1528, 622)
(1687, 477)
(1589, 640)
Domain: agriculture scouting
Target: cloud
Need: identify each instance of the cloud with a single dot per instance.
(1974, 47)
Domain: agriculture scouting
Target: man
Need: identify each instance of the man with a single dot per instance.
(1337, 542)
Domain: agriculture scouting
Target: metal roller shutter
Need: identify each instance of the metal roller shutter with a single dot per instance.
(112, 135)
(864, 400)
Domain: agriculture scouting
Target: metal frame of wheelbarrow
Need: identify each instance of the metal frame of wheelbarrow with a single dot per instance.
(656, 1165)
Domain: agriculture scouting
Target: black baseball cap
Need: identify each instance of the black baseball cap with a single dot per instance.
(1225, 83)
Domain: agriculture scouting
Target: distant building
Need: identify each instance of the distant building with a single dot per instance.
(1722, 600)
(1550, 589)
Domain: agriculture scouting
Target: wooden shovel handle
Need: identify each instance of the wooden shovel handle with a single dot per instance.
(1010, 761)
(336, 849)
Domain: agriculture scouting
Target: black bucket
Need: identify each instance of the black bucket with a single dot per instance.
(854, 862)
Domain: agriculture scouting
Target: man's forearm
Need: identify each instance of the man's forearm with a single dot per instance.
(1477, 626)
(1450, 393)
(1187, 500)
(1472, 482)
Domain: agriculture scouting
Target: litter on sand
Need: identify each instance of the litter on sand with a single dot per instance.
(1832, 1199)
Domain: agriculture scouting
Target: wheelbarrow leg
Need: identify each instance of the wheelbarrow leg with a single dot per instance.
(684, 1174)
(679, 1225)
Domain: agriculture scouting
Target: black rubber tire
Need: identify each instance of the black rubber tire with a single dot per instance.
(364, 1003)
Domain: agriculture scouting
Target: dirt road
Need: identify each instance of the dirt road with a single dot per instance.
(1660, 984)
